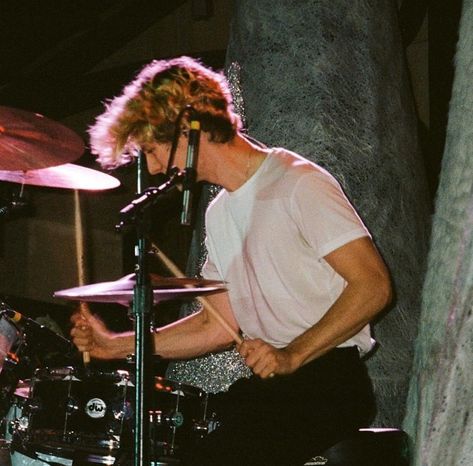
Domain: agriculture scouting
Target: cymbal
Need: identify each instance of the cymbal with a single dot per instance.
(157, 281)
(68, 176)
(29, 141)
(121, 291)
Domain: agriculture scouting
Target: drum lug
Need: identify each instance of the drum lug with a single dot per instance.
(123, 412)
(32, 405)
(176, 419)
(205, 426)
(19, 425)
(201, 428)
(72, 405)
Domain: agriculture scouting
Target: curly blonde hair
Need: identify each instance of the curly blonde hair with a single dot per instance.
(149, 107)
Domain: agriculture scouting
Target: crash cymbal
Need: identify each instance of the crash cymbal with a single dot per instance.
(29, 141)
(68, 176)
(121, 291)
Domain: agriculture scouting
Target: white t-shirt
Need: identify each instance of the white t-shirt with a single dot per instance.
(268, 239)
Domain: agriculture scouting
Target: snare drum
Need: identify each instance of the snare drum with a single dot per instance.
(74, 416)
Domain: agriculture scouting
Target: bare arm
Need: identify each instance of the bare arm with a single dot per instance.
(367, 292)
(194, 335)
(197, 334)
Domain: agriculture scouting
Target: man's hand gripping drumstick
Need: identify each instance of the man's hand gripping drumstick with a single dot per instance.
(91, 335)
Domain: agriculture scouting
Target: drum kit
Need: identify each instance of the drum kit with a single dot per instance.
(74, 415)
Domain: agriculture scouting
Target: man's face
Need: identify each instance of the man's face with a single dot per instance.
(157, 155)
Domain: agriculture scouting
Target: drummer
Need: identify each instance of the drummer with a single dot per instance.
(304, 278)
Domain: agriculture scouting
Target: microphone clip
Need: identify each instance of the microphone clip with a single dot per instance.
(147, 198)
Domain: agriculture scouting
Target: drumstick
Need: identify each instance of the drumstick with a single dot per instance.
(174, 269)
(80, 256)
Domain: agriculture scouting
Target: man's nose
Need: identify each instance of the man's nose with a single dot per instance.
(154, 165)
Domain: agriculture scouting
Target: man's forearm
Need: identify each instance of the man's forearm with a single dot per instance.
(190, 337)
(355, 308)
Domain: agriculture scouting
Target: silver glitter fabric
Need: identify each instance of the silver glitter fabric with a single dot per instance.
(233, 77)
(213, 372)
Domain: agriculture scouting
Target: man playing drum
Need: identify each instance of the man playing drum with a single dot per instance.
(304, 278)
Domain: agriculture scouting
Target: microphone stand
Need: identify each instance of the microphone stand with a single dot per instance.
(190, 172)
(142, 308)
(136, 212)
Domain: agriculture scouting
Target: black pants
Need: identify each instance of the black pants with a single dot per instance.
(288, 419)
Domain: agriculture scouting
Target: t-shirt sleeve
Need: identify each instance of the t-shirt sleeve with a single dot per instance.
(325, 217)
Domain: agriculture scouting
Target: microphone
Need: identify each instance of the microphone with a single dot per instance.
(190, 173)
(149, 197)
(44, 335)
(20, 319)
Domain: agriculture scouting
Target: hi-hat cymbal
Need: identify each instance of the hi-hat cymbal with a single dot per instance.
(29, 141)
(121, 291)
(68, 176)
